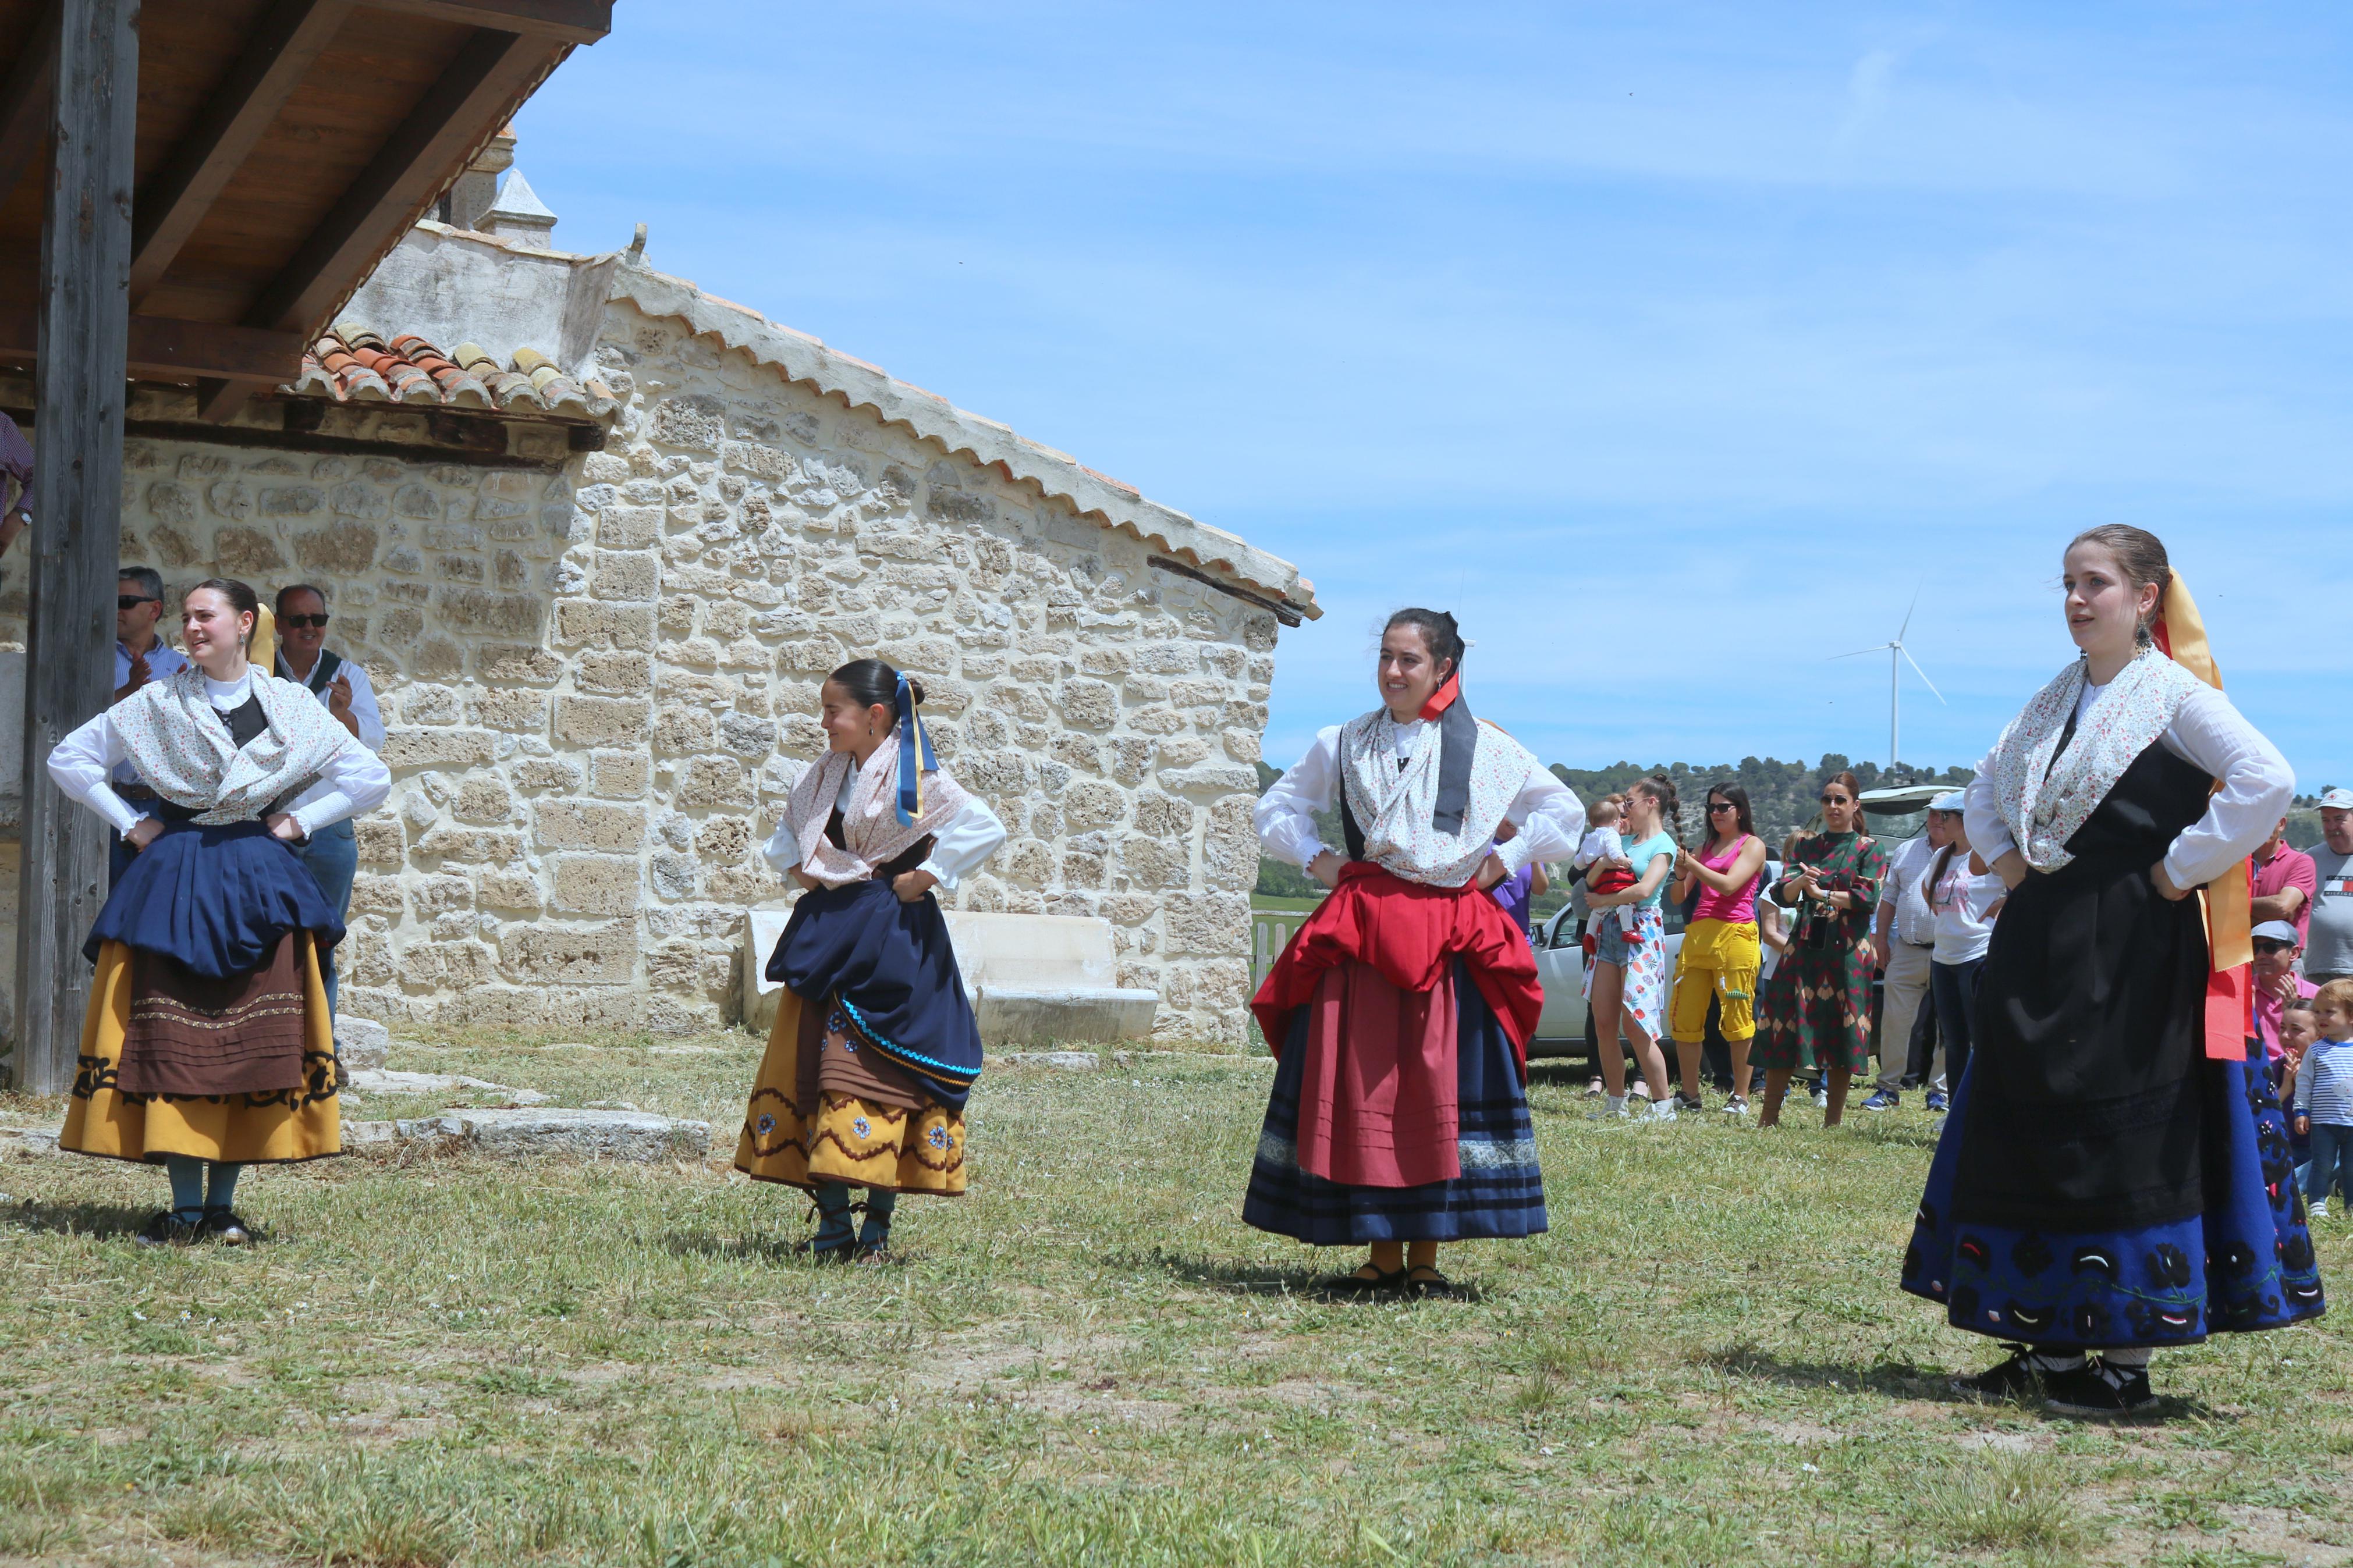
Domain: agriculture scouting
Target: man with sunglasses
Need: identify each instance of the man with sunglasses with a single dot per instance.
(331, 853)
(2276, 982)
(141, 655)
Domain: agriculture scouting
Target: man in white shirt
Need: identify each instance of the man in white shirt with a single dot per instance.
(141, 655)
(333, 853)
(1903, 940)
(2328, 943)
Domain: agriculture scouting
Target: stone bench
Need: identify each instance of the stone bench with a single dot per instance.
(1032, 978)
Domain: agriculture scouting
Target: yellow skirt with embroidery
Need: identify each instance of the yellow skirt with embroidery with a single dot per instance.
(277, 1127)
(841, 1137)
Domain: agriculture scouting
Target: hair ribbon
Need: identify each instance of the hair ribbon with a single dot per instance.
(915, 756)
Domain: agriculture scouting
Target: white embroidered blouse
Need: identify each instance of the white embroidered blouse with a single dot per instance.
(1547, 813)
(968, 838)
(354, 779)
(2209, 733)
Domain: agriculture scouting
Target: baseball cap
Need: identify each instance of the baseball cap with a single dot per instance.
(2277, 930)
(1950, 801)
(2337, 799)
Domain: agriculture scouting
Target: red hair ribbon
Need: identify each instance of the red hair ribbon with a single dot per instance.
(1443, 698)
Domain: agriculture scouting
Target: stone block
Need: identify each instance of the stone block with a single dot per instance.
(361, 1044)
(543, 773)
(1040, 1014)
(1090, 802)
(601, 722)
(714, 781)
(554, 1133)
(517, 662)
(509, 713)
(1212, 778)
(596, 884)
(613, 671)
(339, 549)
(683, 730)
(246, 553)
(480, 611)
(624, 775)
(581, 621)
(576, 955)
(627, 575)
(511, 890)
(379, 839)
(435, 748)
(588, 825)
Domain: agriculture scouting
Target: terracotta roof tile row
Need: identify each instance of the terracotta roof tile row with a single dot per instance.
(353, 365)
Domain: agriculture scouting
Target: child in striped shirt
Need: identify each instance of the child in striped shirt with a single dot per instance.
(2324, 1098)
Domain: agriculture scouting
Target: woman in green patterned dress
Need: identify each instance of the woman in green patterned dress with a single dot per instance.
(1819, 1000)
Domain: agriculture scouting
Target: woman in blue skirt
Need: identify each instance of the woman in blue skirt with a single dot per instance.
(2113, 1176)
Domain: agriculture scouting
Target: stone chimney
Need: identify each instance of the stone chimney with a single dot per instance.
(519, 216)
(465, 203)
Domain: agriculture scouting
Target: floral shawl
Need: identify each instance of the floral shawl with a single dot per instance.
(2045, 796)
(870, 827)
(183, 748)
(1395, 809)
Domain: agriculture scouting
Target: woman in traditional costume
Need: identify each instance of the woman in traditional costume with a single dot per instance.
(1400, 1010)
(1818, 1002)
(2113, 1175)
(207, 1046)
(874, 1047)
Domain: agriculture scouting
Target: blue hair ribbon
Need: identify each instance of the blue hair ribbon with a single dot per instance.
(915, 756)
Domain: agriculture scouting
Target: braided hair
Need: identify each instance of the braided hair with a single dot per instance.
(1661, 788)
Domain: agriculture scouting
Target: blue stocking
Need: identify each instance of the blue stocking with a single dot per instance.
(834, 1231)
(221, 1195)
(188, 1174)
(876, 1231)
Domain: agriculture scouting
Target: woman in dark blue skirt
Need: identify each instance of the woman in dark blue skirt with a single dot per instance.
(2113, 1175)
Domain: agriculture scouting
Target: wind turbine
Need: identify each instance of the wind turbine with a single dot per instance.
(1895, 651)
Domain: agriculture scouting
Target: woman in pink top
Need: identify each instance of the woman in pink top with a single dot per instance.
(1719, 957)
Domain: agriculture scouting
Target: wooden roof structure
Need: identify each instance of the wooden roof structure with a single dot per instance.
(282, 149)
(189, 189)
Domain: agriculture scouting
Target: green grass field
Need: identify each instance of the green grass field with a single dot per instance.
(1088, 1360)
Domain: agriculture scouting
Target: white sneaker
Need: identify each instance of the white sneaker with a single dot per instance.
(1822, 1100)
(2316, 1211)
(1613, 1108)
(1663, 1110)
(1736, 1105)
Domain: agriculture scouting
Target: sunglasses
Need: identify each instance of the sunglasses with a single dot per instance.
(2266, 944)
(132, 601)
(1715, 805)
(298, 622)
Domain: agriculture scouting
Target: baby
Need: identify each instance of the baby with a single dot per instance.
(2324, 1097)
(2298, 1027)
(1601, 855)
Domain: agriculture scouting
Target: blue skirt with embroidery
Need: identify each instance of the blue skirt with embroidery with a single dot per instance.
(1499, 1194)
(218, 899)
(890, 966)
(2244, 1265)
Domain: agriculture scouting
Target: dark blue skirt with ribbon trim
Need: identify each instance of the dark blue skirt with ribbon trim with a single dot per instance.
(889, 965)
(2244, 1264)
(218, 899)
(1499, 1194)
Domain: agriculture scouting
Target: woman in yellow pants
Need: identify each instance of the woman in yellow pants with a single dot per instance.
(1719, 957)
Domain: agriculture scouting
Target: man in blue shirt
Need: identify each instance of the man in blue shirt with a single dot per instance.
(140, 657)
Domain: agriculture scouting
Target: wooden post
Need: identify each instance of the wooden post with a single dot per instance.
(75, 534)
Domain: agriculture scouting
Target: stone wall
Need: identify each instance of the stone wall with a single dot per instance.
(600, 679)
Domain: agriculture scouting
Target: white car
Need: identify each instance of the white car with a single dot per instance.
(1564, 1029)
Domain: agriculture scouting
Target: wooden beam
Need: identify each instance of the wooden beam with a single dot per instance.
(77, 531)
(241, 108)
(1282, 610)
(489, 76)
(573, 21)
(25, 101)
(162, 349)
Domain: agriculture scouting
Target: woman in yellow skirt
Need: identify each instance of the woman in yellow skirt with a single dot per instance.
(875, 1047)
(207, 1046)
(1720, 954)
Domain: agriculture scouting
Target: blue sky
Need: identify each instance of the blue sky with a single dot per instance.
(1673, 347)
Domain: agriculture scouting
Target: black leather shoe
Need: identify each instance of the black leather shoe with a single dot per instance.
(2096, 1388)
(167, 1229)
(1427, 1281)
(1361, 1283)
(2010, 1379)
(226, 1227)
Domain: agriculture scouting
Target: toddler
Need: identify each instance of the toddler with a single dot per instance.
(2324, 1097)
(2297, 1030)
(1601, 855)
